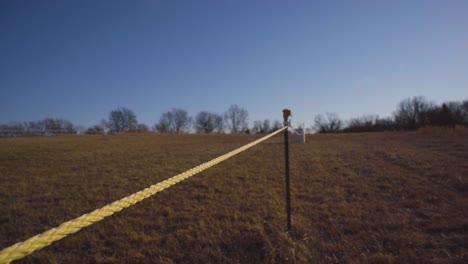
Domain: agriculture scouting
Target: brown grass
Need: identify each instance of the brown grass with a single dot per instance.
(360, 198)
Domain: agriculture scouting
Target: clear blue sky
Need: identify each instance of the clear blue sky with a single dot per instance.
(80, 59)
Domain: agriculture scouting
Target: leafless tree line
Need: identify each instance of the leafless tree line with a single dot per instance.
(265, 126)
(233, 120)
(44, 127)
(410, 114)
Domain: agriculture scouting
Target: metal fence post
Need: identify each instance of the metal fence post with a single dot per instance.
(286, 114)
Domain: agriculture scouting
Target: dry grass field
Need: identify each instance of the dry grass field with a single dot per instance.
(356, 198)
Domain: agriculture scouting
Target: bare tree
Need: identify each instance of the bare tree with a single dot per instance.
(369, 123)
(257, 127)
(330, 123)
(457, 112)
(276, 125)
(261, 127)
(465, 111)
(266, 126)
(236, 119)
(446, 117)
(96, 129)
(205, 122)
(412, 113)
(174, 121)
(142, 128)
(182, 120)
(120, 120)
(362, 124)
(163, 125)
(218, 122)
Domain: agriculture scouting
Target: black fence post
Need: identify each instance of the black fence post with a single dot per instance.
(286, 114)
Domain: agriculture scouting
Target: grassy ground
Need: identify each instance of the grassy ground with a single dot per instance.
(361, 198)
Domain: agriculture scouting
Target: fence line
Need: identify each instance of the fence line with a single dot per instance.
(22, 249)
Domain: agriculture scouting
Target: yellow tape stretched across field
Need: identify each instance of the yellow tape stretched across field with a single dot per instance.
(22, 249)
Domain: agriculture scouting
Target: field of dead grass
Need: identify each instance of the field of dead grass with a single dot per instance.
(357, 198)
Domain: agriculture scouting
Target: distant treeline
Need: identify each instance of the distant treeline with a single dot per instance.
(233, 120)
(45, 127)
(411, 114)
